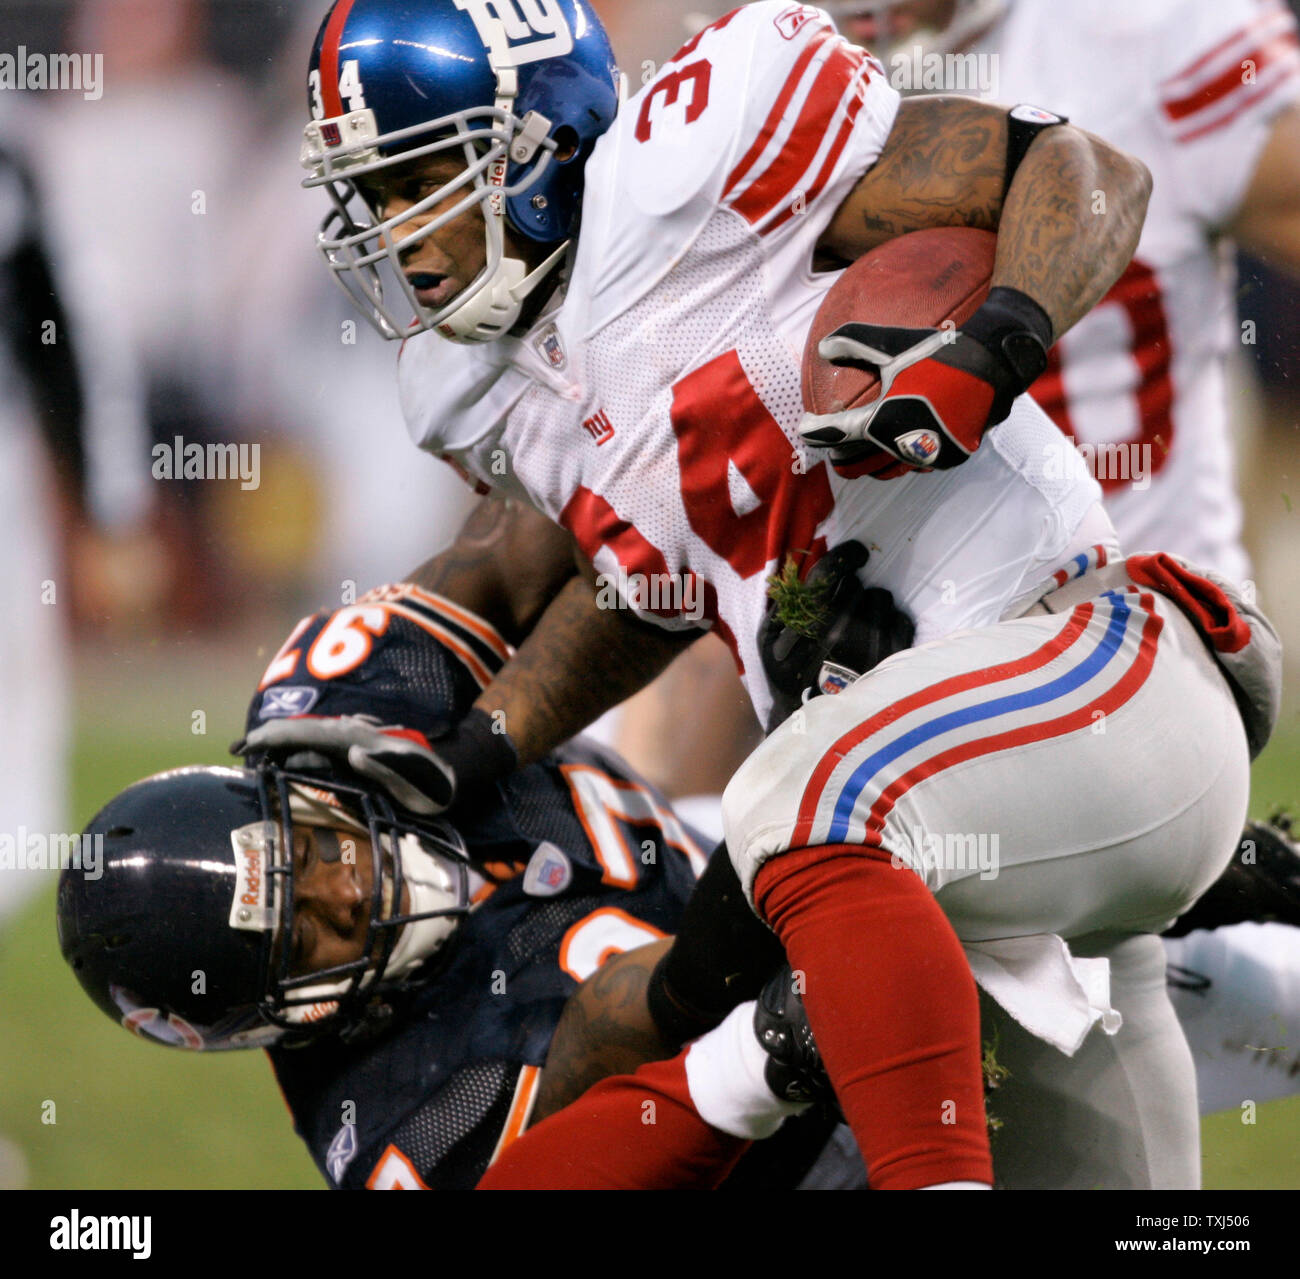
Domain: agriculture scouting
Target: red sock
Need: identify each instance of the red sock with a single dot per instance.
(631, 1132)
(893, 1005)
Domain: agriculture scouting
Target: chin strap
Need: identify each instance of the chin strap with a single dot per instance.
(492, 312)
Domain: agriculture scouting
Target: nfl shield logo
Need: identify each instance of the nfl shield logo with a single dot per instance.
(921, 446)
(834, 678)
(549, 872)
(553, 348)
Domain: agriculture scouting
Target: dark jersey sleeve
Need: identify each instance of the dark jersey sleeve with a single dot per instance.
(401, 654)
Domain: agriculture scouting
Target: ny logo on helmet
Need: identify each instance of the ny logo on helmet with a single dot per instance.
(519, 31)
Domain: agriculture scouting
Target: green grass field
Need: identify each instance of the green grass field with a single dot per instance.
(130, 1115)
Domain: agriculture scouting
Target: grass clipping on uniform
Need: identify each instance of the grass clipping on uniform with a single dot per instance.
(801, 606)
(995, 1074)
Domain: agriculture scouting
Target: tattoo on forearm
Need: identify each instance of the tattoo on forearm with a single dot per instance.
(605, 1030)
(580, 661)
(1071, 223)
(942, 166)
(1067, 225)
(475, 546)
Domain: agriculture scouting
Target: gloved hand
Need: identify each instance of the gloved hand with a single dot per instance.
(422, 777)
(856, 627)
(940, 390)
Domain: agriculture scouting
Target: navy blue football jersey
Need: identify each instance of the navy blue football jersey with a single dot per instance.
(586, 860)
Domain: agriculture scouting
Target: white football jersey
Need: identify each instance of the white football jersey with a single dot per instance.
(1191, 87)
(655, 411)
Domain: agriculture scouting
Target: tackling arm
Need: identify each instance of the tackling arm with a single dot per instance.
(506, 564)
(1067, 227)
(523, 574)
(579, 661)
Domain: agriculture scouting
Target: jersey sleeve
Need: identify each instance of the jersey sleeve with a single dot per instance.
(817, 113)
(406, 655)
(1226, 70)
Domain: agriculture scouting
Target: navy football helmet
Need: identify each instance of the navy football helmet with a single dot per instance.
(520, 89)
(183, 934)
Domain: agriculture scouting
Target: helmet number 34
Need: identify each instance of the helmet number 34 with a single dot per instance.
(350, 90)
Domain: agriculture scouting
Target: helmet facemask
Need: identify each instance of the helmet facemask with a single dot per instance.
(360, 248)
(425, 865)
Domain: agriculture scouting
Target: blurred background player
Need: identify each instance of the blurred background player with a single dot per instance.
(72, 464)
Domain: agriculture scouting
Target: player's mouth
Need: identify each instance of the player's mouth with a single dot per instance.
(432, 289)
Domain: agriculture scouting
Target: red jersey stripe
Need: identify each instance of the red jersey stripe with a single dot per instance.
(779, 180)
(1230, 80)
(824, 176)
(1266, 18)
(1248, 102)
(777, 114)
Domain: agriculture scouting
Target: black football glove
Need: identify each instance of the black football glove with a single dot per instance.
(423, 777)
(940, 390)
(861, 627)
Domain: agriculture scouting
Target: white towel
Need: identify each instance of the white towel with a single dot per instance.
(1053, 995)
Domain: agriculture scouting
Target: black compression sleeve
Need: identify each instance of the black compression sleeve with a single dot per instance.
(723, 955)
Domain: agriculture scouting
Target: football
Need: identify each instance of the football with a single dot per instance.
(917, 281)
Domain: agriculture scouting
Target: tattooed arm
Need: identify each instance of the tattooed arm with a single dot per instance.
(1067, 228)
(506, 564)
(575, 660)
(606, 1029)
(579, 661)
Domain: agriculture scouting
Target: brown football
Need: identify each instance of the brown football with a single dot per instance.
(916, 281)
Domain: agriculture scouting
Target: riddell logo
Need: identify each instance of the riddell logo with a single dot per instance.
(248, 905)
(252, 894)
(599, 427)
(330, 135)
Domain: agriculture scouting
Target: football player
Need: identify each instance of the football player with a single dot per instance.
(1207, 94)
(636, 377)
(405, 973)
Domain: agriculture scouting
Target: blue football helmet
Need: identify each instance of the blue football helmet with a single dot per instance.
(509, 85)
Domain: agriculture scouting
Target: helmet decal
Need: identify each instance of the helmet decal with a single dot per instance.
(149, 1023)
(520, 31)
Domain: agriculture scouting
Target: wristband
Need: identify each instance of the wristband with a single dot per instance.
(476, 752)
(1016, 330)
